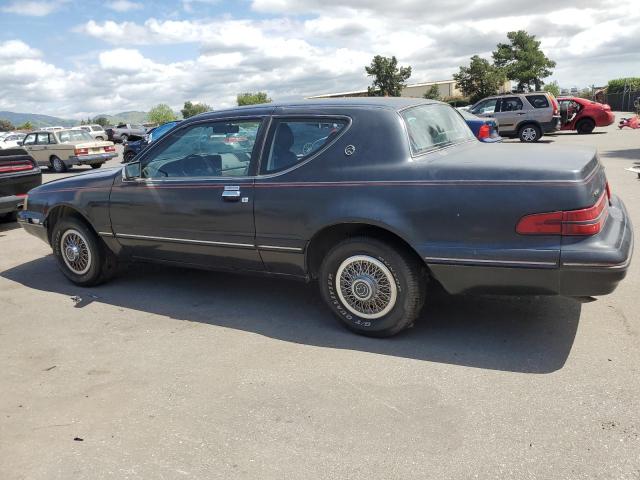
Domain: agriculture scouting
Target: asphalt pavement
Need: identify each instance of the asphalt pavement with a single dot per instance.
(170, 373)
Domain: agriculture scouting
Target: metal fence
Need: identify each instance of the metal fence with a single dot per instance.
(624, 102)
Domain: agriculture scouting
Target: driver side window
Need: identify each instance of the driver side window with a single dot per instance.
(211, 149)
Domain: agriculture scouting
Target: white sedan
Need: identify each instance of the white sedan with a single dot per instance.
(11, 141)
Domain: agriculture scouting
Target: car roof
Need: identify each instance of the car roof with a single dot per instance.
(389, 103)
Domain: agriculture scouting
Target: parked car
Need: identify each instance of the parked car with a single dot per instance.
(131, 149)
(398, 193)
(52, 129)
(96, 131)
(124, 131)
(13, 140)
(584, 115)
(61, 149)
(485, 129)
(19, 173)
(527, 116)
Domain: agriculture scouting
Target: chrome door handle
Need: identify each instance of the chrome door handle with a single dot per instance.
(231, 195)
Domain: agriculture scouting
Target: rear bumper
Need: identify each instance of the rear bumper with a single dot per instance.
(552, 126)
(89, 159)
(10, 204)
(587, 266)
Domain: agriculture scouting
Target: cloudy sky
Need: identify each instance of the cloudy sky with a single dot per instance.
(74, 58)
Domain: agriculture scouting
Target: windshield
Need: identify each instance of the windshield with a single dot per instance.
(66, 136)
(158, 132)
(434, 126)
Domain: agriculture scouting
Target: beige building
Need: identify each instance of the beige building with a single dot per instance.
(447, 88)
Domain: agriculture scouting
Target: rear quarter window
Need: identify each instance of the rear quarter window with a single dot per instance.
(434, 126)
(538, 101)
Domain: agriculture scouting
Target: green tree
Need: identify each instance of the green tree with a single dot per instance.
(191, 109)
(25, 126)
(161, 113)
(388, 79)
(433, 93)
(523, 61)
(102, 121)
(6, 126)
(618, 85)
(480, 79)
(553, 88)
(251, 98)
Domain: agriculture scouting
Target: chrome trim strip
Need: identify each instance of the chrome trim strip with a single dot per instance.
(184, 240)
(105, 234)
(611, 266)
(274, 247)
(483, 261)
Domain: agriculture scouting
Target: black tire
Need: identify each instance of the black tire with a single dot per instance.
(9, 217)
(99, 138)
(529, 133)
(96, 165)
(123, 138)
(101, 261)
(405, 272)
(585, 126)
(57, 165)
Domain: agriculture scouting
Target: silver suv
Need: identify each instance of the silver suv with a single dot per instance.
(527, 116)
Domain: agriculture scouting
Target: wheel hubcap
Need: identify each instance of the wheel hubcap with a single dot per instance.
(367, 287)
(75, 252)
(529, 134)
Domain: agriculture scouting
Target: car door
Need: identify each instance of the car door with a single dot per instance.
(34, 143)
(509, 113)
(193, 203)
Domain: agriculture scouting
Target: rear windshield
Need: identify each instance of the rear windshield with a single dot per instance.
(538, 101)
(434, 126)
(74, 136)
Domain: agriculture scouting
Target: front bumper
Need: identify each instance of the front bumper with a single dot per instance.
(89, 159)
(33, 223)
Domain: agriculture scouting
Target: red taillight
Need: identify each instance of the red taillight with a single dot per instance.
(586, 221)
(110, 148)
(81, 151)
(556, 107)
(19, 166)
(484, 132)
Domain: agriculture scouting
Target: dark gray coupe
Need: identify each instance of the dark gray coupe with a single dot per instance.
(371, 197)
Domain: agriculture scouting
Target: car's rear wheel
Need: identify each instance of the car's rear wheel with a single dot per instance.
(96, 165)
(124, 138)
(529, 133)
(372, 287)
(81, 255)
(585, 126)
(9, 217)
(100, 138)
(58, 165)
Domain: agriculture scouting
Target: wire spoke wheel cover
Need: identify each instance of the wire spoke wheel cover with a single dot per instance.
(366, 287)
(75, 251)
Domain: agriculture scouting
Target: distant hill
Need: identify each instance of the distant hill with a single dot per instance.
(48, 121)
(36, 119)
(126, 117)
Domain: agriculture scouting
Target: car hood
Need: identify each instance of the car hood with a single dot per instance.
(91, 179)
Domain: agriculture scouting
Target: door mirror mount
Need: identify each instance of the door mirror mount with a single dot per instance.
(131, 171)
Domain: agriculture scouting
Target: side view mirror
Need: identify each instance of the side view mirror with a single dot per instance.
(131, 171)
(19, 142)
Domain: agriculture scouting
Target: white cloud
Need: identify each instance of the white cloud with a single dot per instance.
(33, 8)
(123, 5)
(323, 51)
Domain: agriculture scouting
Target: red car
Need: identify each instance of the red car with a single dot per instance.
(584, 115)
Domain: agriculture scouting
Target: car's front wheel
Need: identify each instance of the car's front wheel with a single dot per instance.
(58, 165)
(81, 255)
(585, 126)
(529, 133)
(372, 287)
